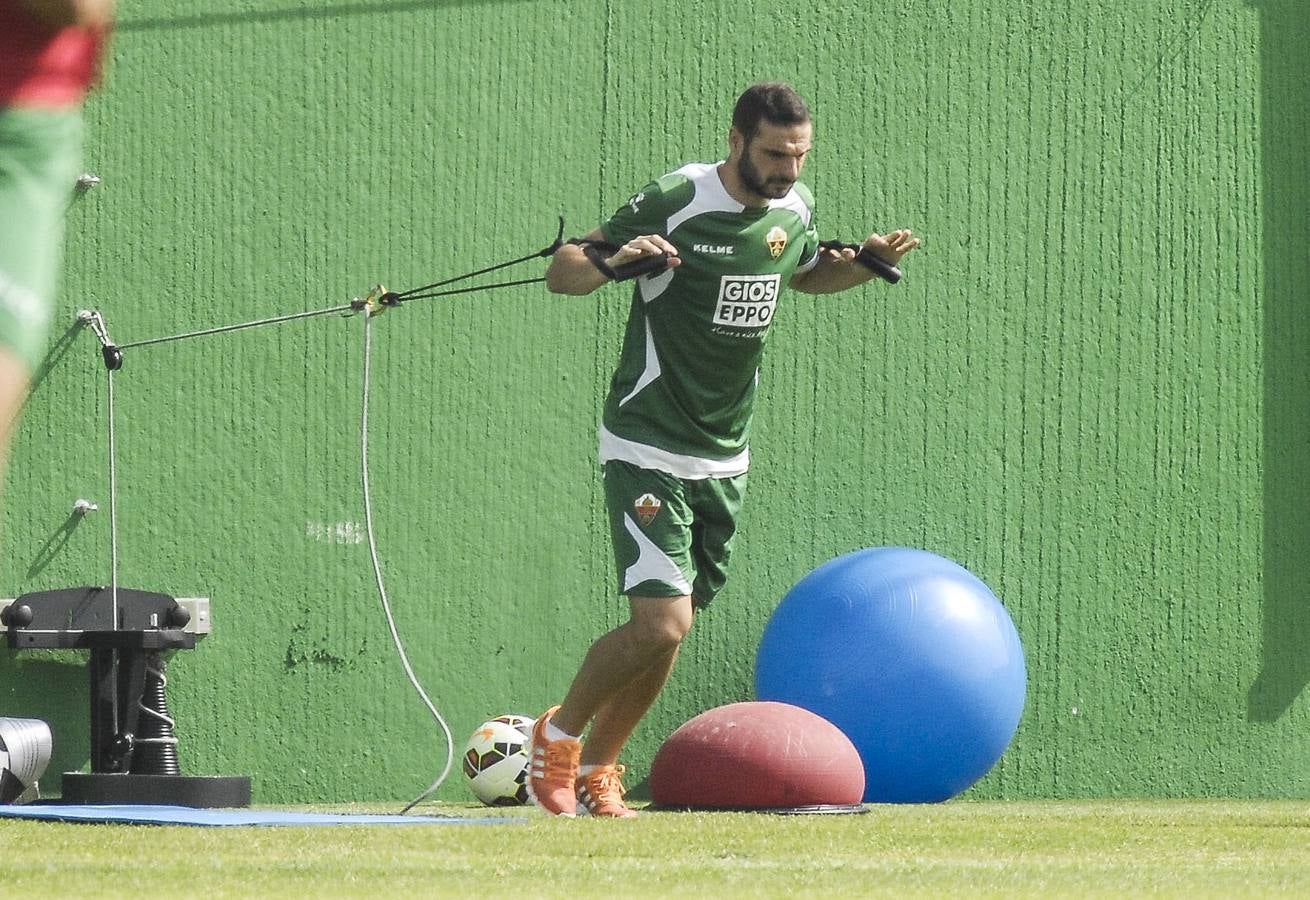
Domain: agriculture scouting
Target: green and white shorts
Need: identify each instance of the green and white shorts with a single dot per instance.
(672, 536)
(40, 150)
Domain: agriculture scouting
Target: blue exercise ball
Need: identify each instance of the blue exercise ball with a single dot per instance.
(912, 657)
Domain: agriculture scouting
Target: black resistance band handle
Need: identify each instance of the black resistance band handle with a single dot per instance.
(867, 258)
(599, 251)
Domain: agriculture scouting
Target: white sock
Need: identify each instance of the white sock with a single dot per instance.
(586, 770)
(558, 734)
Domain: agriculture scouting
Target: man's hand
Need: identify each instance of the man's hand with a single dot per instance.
(838, 271)
(644, 245)
(570, 272)
(892, 246)
(889, 247)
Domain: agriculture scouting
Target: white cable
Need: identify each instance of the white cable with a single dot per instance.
(113, 527)
(113, 509)
(96, 322)
(101, 332)
(382, 591)
(225, 329)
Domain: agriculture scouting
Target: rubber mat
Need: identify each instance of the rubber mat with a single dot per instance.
(183, 815)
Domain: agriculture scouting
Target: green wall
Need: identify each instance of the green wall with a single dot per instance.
(1090, 389)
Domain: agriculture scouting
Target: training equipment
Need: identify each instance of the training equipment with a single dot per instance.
(911, 656)
(134, 751)
(378, 300)
(760, 756)
(495, 761)
(25, 747)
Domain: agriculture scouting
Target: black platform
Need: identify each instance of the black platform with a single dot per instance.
(197, 791)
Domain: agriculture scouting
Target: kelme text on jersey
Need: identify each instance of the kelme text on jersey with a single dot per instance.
(747, 301)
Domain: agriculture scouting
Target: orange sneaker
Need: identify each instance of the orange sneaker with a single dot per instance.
(552, 769)
(600, 793)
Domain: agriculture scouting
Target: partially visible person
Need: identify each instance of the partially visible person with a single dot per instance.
(50, 53)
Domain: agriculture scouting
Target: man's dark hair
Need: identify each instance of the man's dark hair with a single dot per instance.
(769, 101)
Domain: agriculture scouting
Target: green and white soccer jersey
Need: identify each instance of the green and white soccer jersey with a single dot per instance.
(681, 398)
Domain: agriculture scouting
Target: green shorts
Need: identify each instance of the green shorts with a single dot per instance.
(672, 536)
(40, 150)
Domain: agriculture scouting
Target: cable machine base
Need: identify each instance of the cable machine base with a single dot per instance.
(196, 791)
(128, 633)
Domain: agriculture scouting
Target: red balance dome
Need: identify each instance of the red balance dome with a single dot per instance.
(757, 756)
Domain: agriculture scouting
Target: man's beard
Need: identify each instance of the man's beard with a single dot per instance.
(774, 189)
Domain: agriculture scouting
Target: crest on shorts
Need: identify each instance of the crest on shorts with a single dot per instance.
(647, 508)
(777, 241)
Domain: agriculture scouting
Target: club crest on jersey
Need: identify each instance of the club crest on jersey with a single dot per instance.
(647, 508)
(777, 241)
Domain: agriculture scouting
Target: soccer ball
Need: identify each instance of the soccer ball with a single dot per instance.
(496, 761)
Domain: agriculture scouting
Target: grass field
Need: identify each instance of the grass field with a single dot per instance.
(1039, 849)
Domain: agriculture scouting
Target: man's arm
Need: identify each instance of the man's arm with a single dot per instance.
(570, 272)
(837, 270)
(62, 13)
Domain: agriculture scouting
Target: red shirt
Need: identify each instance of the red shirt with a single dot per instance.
(40, 67)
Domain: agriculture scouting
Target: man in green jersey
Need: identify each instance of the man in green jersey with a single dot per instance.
(714, 245)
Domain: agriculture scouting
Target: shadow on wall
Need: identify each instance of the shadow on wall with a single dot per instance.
(1285, 300)
(287, 14)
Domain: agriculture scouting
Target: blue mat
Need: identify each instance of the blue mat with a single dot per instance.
(183, 815)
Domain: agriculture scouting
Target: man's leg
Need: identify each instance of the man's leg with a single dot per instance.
(611, 697)
(657, 627)
(599, 785)
(624, 670)
(619, 679)
(615, 722)
(646, 643)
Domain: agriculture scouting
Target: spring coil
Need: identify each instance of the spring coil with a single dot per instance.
(155, 745)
